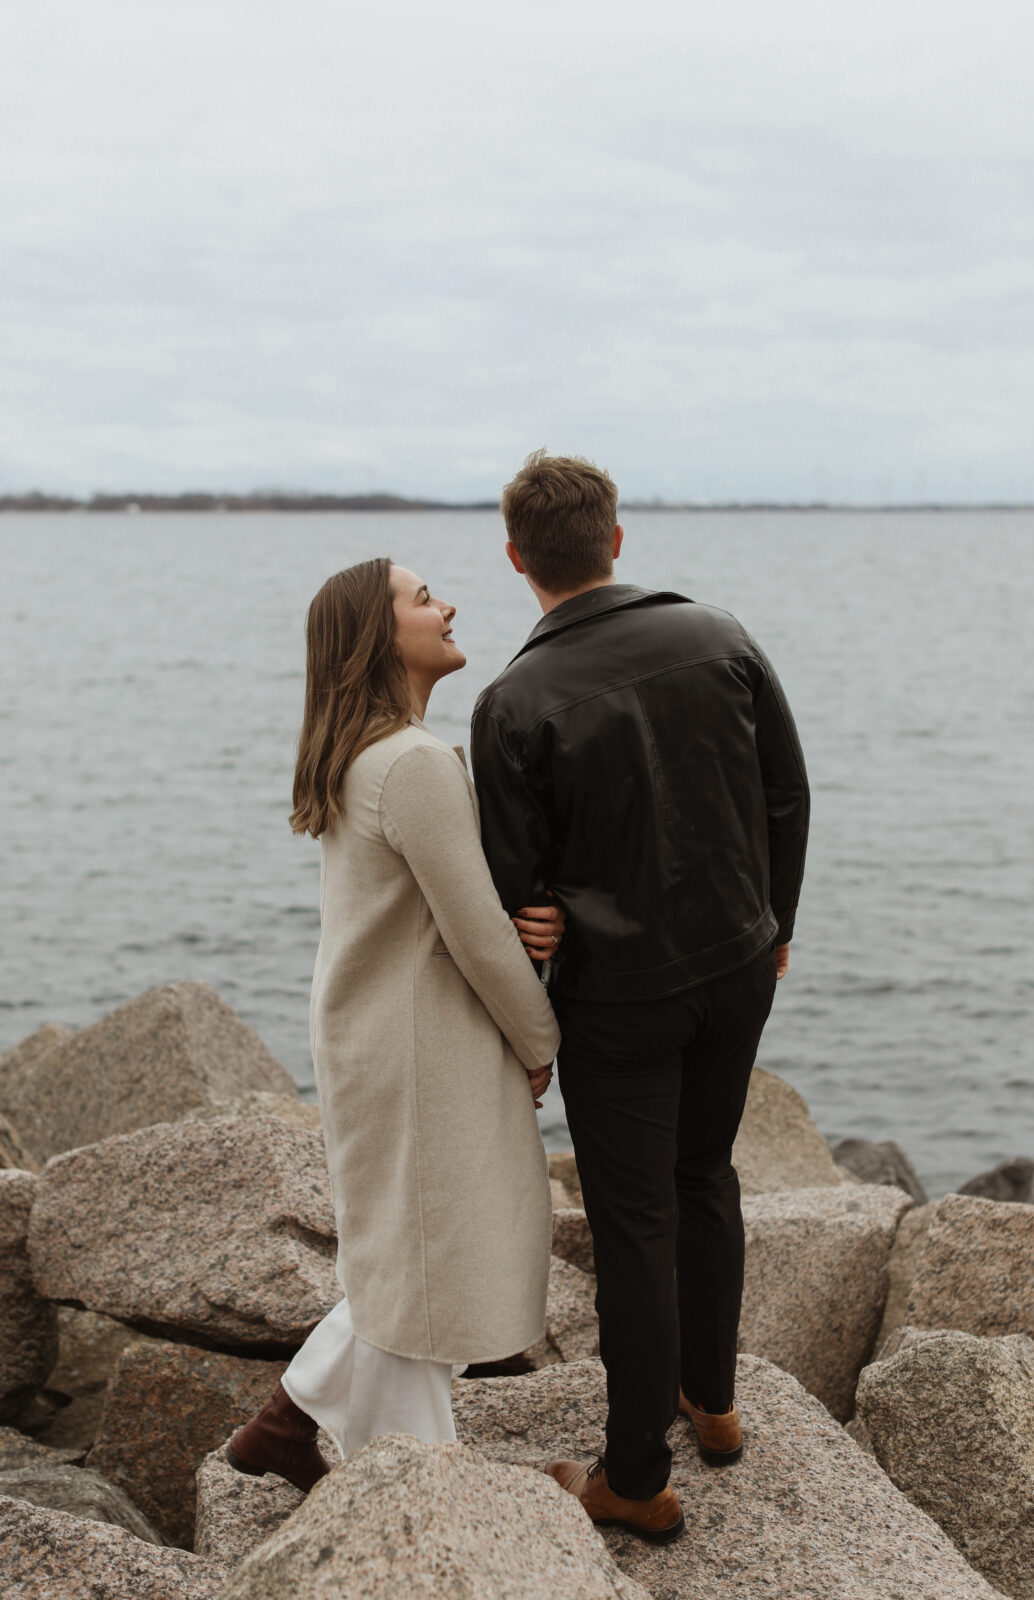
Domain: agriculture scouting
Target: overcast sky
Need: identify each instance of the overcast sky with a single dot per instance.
(781, 249)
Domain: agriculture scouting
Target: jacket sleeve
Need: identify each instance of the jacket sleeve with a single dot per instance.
(427, 814)
(787, 799)
(515, 831)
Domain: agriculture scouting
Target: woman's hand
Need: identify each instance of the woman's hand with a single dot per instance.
(541, 929)
(539, 1081)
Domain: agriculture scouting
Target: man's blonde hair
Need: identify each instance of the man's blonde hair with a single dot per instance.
(560, 514)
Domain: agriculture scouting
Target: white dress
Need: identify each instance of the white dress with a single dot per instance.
(357, 1392)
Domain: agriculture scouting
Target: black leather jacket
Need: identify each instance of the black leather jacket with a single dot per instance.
(638, 757)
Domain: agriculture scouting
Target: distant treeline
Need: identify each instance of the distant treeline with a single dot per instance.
(266, 500)
(284, 500)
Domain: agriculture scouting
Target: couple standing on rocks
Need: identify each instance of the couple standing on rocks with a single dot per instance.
(639, 827)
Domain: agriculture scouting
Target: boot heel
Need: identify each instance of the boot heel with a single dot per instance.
(242, 1466)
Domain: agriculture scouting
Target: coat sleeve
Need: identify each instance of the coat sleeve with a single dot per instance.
(427, 813)
(515, 831)
(787, 797)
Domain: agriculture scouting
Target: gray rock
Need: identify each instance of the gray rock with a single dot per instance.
(563, 1170)
(150, 1061)
(236, 1512)
(28, 1322)
(816, 1283)
(429, 1520)
(1010, 1180)
(71, 1405)
(951, 1417)
(116, 1228)
(259, 1103)
(904, 1258)
(806, 1515)
(49, 1555)
(572, 1327)
(976, 1272)
(13, 1151)
(883, 1163)
(778, 1145)
(167, 1406)
(18, 1450)
(572, 1240)
(80, 1492)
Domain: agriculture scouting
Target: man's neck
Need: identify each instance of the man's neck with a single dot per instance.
(549, 601)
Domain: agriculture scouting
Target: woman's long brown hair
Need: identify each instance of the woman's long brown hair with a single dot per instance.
(356, 690)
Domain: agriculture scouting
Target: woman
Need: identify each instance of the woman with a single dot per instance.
(428, 1026)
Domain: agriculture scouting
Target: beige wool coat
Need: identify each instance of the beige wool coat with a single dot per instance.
(425, 1012)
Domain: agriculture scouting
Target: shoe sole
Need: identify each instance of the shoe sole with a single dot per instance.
(243, 1466)
(714, 1458)
(651, 1535)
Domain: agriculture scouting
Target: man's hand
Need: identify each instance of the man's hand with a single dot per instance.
(539, 1081)
(782, 953)
(541, 929)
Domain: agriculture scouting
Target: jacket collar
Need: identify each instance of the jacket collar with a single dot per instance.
(594, 603)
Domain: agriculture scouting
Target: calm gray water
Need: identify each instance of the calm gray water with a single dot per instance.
(151, 695)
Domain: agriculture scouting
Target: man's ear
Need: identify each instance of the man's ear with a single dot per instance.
(515, 560)
(619, 534)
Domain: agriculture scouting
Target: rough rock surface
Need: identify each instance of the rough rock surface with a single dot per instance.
(149, 1061)
(428, 1520)
(168, 1405)
(778, 1145)
(816, 1283)
(572, 1240)
(81, 1493)
(976, 1272)
(236, 1512)
(22, 1074)
(13, 1151)
(805, 1515)
(951, 1418)
(563, 1169)
(260, 1103)
(1010, 1180)
(884, 1163)
(69, 1409)
(28, 1323)
(572, 1327)
(49, 1555)
(904, 1258)
(221, 1232)
(18, 1450)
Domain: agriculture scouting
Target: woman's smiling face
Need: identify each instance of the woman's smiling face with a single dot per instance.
(423, 632)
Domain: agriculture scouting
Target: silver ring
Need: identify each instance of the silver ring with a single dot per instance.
(554, 938)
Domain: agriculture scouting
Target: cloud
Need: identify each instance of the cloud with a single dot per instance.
(737, 253)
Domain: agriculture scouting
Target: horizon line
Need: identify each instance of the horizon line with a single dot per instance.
(274, 500)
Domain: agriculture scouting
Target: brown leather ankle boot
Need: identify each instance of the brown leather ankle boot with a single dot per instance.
(719, 1439)
(657, 1520)
(280, 1438)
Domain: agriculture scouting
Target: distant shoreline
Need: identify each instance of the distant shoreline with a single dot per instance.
(276, 501)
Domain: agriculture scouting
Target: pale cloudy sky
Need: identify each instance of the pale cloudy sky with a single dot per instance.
(781, 249)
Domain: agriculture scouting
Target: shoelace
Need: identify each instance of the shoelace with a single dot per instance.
(596, 1468)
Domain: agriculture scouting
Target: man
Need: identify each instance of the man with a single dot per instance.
(637, 758)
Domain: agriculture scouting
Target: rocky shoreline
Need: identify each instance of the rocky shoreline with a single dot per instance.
(167, 1241)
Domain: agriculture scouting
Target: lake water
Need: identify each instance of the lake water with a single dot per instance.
(150, 700)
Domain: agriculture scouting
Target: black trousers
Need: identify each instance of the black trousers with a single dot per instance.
(654, 1093)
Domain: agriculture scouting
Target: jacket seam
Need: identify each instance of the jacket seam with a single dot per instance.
(658, 774)
(416, 1148)
(625, 683)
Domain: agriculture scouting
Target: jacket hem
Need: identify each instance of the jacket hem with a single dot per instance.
(656, 983)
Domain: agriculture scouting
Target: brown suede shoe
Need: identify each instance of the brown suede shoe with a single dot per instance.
(280, 1438)
(719, 1439)
(659, 1519)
